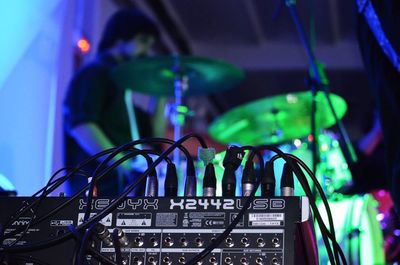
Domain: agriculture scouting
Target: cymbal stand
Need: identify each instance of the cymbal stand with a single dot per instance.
(179, 112)
(320, 82)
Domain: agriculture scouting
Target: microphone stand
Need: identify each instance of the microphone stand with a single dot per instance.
(319, 82)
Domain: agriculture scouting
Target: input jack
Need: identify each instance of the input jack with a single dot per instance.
(183, 241)
(166, 260)
(152, 260)
(153, 241)
(213, 260)
(260, 242)
(136, 261)
(245, 241)
(199, 241)
(182, 260)
(228, 260)
(229, 242)
(138, 241)
(125, 261)
(275, 261)
(276, 242)
(168, 241)
(244, 261)
(259, 261)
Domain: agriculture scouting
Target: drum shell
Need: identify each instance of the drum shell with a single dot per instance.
(332, 170)
(357, 230)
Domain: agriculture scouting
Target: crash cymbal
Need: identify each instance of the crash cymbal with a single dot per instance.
(275, 119)
(155, 75)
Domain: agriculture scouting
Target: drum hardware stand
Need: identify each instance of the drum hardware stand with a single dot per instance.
(320, 82)
(276, 132)
(179, 111)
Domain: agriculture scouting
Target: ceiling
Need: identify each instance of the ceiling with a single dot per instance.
(260, 34)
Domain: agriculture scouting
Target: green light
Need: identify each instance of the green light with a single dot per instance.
(168, 74)
(182, 109)
(351, 214)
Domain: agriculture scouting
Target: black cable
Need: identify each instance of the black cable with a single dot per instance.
(58, 182)
(66, 236)
(33, 211)
(21, 211)
(100, 257)
(224, 234)
(117, 246)
(233, 224)
(331, 233)
(40, 219)
(95, 177)
(306, 187)
(233, 159)
(303, 181)
(190, 165)
(255, 151)
(52, 188)
(24, 210)
(83, 245)
(75, 252)
(324, 231)
(249, 177)
(110, 207)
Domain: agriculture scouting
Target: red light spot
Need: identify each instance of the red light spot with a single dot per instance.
(310, 138)
(83, 45)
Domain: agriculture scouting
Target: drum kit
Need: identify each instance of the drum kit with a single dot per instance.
(281, 120)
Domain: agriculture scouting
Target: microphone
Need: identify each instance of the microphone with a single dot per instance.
(249, 179)
(171, 181)
(287, 181)
(232, 160)
(268, 180)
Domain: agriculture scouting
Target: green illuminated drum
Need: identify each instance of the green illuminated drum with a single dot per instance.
(332, 171)
(357, 230)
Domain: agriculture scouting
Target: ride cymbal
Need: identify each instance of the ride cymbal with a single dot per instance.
(275, 119)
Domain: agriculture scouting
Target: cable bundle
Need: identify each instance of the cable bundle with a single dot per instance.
(233, 159)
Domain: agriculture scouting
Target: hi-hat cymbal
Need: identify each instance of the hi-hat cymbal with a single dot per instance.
(155, 75)
(275, 119)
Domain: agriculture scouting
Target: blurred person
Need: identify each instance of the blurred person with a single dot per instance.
(95, 109)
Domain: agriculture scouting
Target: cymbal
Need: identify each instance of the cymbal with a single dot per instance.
(154, 75)
(275, 119)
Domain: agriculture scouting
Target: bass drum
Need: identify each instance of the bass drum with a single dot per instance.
(357, 229)
(332, 171)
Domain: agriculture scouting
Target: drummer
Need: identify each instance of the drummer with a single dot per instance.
(96, 112)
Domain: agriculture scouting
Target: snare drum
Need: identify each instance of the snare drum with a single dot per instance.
(357, 230)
